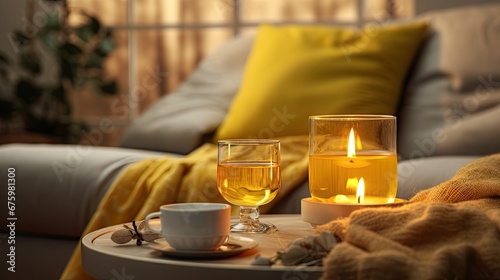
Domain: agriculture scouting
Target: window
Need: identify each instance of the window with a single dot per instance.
(160, 42)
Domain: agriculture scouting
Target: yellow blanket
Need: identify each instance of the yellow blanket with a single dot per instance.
(143, 187)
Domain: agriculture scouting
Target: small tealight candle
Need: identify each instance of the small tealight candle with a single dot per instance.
(360, 197)
(317, 213)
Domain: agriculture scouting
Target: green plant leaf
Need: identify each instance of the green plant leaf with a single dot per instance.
(52, 21)
(94, 61)
(67, 70)
(50, 39)
(76, 49)
(106, 46)
(30, 61)
(6, 109)
(71, 49)
(27, 92)
(81, 81)
(108, 34)
(4, 58)
(59, 94)
(84, 32)
(4, 67)
(109, 88)
(95, 25)
(20, 38)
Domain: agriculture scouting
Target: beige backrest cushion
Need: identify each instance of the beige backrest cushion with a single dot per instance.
(452, 102)
(180, 121)
(470, 40)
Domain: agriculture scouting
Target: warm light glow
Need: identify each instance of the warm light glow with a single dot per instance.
(351, 145)
(360, 192)
(340, 198)
(267, 193)
(352, 184)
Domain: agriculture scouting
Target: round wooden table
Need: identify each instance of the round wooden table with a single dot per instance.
(104, 259)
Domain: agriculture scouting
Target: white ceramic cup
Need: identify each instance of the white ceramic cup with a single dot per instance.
(193, 226)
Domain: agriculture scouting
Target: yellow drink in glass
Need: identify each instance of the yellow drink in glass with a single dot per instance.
(249, 175)
(249, 183)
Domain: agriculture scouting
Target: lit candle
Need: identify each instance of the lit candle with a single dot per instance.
(352, 165)
(337, 178)
(354, 184)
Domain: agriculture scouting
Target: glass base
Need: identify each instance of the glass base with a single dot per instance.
(253, 228)
(249, 222)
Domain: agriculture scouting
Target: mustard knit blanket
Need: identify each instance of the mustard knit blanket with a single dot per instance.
(451, 231)
(143, 187)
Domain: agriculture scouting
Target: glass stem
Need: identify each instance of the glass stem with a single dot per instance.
(249, 215)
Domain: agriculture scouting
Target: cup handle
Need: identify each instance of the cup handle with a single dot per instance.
(149, 217)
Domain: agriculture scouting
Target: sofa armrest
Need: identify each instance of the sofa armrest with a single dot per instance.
(58, 187)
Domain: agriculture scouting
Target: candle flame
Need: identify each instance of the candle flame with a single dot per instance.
(351, 145)
(360, 192)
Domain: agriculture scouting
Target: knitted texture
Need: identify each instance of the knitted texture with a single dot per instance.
(451, 231)
(478, 179)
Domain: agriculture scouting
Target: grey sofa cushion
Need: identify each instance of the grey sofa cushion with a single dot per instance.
(179, 122)
(469, 41)
(452, 102)
(58, 187)
(420, 174)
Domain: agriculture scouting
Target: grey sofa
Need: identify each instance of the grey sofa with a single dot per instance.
(449, 116)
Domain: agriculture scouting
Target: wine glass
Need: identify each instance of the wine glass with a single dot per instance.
(249, 175)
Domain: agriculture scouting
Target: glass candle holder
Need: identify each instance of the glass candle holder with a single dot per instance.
(353, 159)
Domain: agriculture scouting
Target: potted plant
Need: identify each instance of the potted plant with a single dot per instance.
(51, 64)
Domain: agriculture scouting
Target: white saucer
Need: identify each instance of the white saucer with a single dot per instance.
(233, 246)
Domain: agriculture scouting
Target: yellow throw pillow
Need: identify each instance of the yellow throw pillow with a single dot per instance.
(297, 71)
